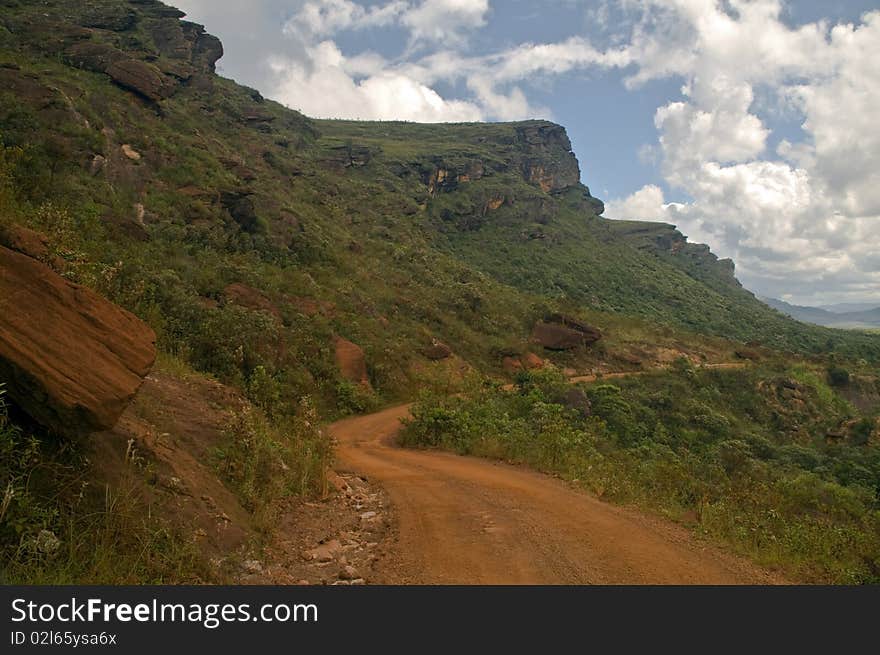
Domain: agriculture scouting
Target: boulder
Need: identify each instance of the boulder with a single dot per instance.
(559, 332)
(532, 362)
(70, 359)
(437, 351)
(241, 208)
(246, 296)
(556, 337)
(512, 365)
(577, 400)
(591, 334)
(351, 361)
(130, 152)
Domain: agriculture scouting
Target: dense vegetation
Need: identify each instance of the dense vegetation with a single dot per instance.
(752, 457)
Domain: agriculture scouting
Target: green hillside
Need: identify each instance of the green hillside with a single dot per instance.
(463, 233)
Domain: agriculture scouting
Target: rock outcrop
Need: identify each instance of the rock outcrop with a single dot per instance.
(549, 161)
(181, 51)
(668, 242)
(70, 359)
(241, 208)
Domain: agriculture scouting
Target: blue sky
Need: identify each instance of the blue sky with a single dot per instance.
(747, 123)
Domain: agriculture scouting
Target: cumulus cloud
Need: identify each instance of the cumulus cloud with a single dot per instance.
(324, 86)
(801, 221)
(325, 83)
(326, 17)
(445, 20)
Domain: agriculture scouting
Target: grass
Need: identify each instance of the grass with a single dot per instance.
(58, 527)
(265, 462)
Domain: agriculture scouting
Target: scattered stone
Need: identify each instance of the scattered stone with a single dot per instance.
(325, 552)
(348, 573)
(98, 164)
(252, 566)
(130, 152)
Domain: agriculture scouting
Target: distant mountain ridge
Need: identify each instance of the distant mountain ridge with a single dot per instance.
(827, 317)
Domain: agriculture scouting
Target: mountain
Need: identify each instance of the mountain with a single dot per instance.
(856, 319)
(846, 308)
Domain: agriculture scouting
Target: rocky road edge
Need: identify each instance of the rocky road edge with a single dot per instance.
(345, 539)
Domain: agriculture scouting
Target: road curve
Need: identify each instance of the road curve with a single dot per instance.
(464, 520)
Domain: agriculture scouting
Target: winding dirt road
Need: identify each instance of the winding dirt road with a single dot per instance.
(464, 520)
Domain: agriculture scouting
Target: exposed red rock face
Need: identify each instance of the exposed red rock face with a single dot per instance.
(250, 298)
(351, 361)
(558, 332)
(70, 359)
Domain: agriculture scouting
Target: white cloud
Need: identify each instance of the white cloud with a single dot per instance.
(800, 220)
(324, 87)
(445, 20)
(646, 204)
(327, 17)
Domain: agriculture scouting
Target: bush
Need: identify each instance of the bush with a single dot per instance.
(838, 377)
(264, 462)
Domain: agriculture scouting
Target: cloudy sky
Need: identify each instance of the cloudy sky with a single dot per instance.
(750, 124)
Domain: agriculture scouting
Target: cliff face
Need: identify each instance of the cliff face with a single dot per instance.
(142, 45)
(667, 241)
(548, 161)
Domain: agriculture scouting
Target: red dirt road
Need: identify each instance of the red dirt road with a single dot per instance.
(464, 520)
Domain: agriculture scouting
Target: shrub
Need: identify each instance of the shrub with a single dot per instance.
(838, 376)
